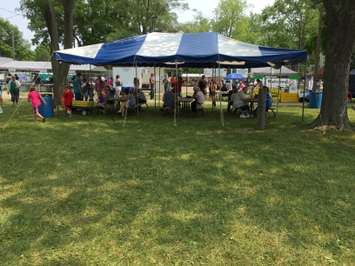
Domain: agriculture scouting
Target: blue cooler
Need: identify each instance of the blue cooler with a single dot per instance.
(315, 99)
(46, 108)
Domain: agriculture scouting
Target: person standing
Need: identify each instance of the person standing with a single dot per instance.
(202, 84)
(68, 100)
(136, 84)
(36, 99)
(99, 85)
(173, 82)
(166, 82)
(36, 80)
(118, 86)
(14, 87)
(152, 86)
(77, 87)
(213, 92)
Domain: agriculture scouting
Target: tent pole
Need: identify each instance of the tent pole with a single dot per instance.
(187, 81)
(159, 89)
(175, 94)
(220, 95)
(136, 89)
(278, 92)
(154, 90)
(304, 90)
(213, 76)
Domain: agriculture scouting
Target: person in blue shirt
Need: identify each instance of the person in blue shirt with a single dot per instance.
(268, 103)
(77, 87)
(168, 101)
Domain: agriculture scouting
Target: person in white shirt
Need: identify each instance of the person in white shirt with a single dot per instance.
(197, 104)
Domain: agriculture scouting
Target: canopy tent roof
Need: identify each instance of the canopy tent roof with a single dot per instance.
(205, 49)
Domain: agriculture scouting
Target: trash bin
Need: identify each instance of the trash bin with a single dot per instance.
(315, 99)
(46, 108)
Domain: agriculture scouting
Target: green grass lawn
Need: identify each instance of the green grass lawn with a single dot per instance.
(89, 191)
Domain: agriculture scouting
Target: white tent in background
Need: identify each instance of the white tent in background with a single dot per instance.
(8, 64)
(285, 71)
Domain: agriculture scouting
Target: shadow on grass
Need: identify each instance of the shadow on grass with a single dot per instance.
(89, 190)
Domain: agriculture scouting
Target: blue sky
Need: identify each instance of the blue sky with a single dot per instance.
(8, 11)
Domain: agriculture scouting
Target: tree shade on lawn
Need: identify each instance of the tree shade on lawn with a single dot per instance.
(90, 191)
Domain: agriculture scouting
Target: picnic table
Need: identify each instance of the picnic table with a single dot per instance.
(84, 106)
(185, 103)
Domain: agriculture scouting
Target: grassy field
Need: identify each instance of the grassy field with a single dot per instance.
(88, 191)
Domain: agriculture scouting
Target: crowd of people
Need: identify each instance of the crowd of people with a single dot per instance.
(241, 96)
(109, 94)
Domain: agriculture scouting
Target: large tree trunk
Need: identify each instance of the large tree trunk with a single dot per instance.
(60, 71)
(340, 28)
(318, 53)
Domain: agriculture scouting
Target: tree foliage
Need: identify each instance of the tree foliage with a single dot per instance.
(22, 48)
(230, 18)
(290, 24)
(199, 24)
(101, 20)
(42, 53)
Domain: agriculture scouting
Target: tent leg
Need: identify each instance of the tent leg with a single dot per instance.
(187, 81)
(175, 96)
(278, 92)
(154, 90)
(136, 90)
(304, 91)
(159, 89)
(220, 96)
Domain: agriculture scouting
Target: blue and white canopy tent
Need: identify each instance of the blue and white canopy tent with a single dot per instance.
(205, 49)
(191, 49)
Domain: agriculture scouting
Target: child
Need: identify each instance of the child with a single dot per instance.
(36, 99)
(68, 100)
(123, 103)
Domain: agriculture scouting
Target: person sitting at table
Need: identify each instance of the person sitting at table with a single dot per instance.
(213, 92)
(132, 101)
(110, 98)
(142, 100)
(197, 104)
(123, 102)
(101, 100)
(241, 101)
(230, 101)
(268, 101)
(168, 101)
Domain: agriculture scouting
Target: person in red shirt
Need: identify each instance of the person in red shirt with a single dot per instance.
(68, 100)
